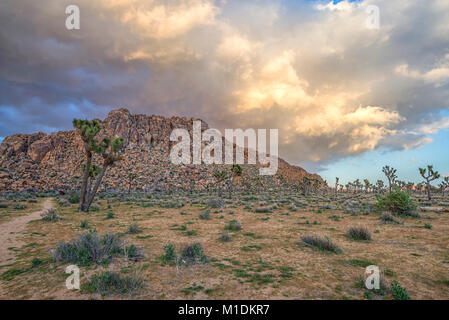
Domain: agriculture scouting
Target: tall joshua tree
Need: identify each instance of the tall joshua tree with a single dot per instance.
(337, 180)
(429, 175)
(367, 185)
(109, 151)
(390, 173)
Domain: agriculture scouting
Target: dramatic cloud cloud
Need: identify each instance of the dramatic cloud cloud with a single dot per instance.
(333, 87)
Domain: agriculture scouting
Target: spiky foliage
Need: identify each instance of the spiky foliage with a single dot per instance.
(220, 176)
(107, 148)
(444, 185)
(429, 175)
(390, 173)
(397, 202)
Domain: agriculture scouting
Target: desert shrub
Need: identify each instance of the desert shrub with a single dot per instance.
(215, 203)
(428, 226)
(112, 283)
(32, 201)
(62, 202)
(134, 228)
(88, 248)
(50, 215)
(263, 210)
(169, 255)
(359, 233)
(387, 217)
(192, 254)
(204, 215)
(321, 243)
(84, 224)
(19, 207)
(225, 237)
(133, 253)
(110, 215)
(233, 225)
(74, 199)
(398, 292)
(397, 202)
(4, 205)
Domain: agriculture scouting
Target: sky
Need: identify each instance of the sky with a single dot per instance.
(347, 99)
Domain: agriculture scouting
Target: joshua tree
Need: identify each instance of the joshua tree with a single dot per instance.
(409, 186)
(429, 175)
(305, 185)
(419, 187)
(444, 185)
(337, 180)
(390, 173)
(357, 185)
(220, 176)
(367, 185)
(109, 150)
(236, 171)
(131, 178)
(380, 186)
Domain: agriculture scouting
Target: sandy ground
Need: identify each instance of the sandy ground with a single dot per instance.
(10, 231)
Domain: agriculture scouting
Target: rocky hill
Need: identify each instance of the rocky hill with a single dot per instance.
(53, 162)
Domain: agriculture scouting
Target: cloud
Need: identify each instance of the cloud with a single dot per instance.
(331, 86)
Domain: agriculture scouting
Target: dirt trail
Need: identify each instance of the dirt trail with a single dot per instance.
(10, 231)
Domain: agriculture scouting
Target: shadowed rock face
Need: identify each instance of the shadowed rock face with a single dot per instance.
(53, 162)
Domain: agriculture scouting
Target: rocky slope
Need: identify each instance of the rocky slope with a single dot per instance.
(53, 162)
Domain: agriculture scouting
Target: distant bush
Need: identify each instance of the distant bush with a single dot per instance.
(50, 215)
(133, 253)
(169, 255)
(215, 203)
(134, 228)
(324, 244)
(225, 237)
(233, 225)
(4, 205)
(398, 292)
(204, 215)
(84, 224)
(359, 233)
(112, 283)
(89, 248)
(110, 215)
(192, 254)
(20, 207)
(74, 199)
(397, 202)
(387, 217)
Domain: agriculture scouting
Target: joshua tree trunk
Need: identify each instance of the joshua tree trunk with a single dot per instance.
(429, 196)
(95, 189)
(85, 178)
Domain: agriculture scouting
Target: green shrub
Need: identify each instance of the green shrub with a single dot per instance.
(398, 292)
(110, 215)
(204, 215)
(170, 255)
(323, 244)
(74, 198)
(397, 202)
(84, 224)
(359, 233)
(192, 254)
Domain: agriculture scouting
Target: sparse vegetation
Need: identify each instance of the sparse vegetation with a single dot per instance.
(321, 243)
(359, 233)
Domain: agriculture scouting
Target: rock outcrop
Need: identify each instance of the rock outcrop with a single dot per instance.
(53, 162)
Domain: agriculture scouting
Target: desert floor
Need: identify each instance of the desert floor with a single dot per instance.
(265, 259)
